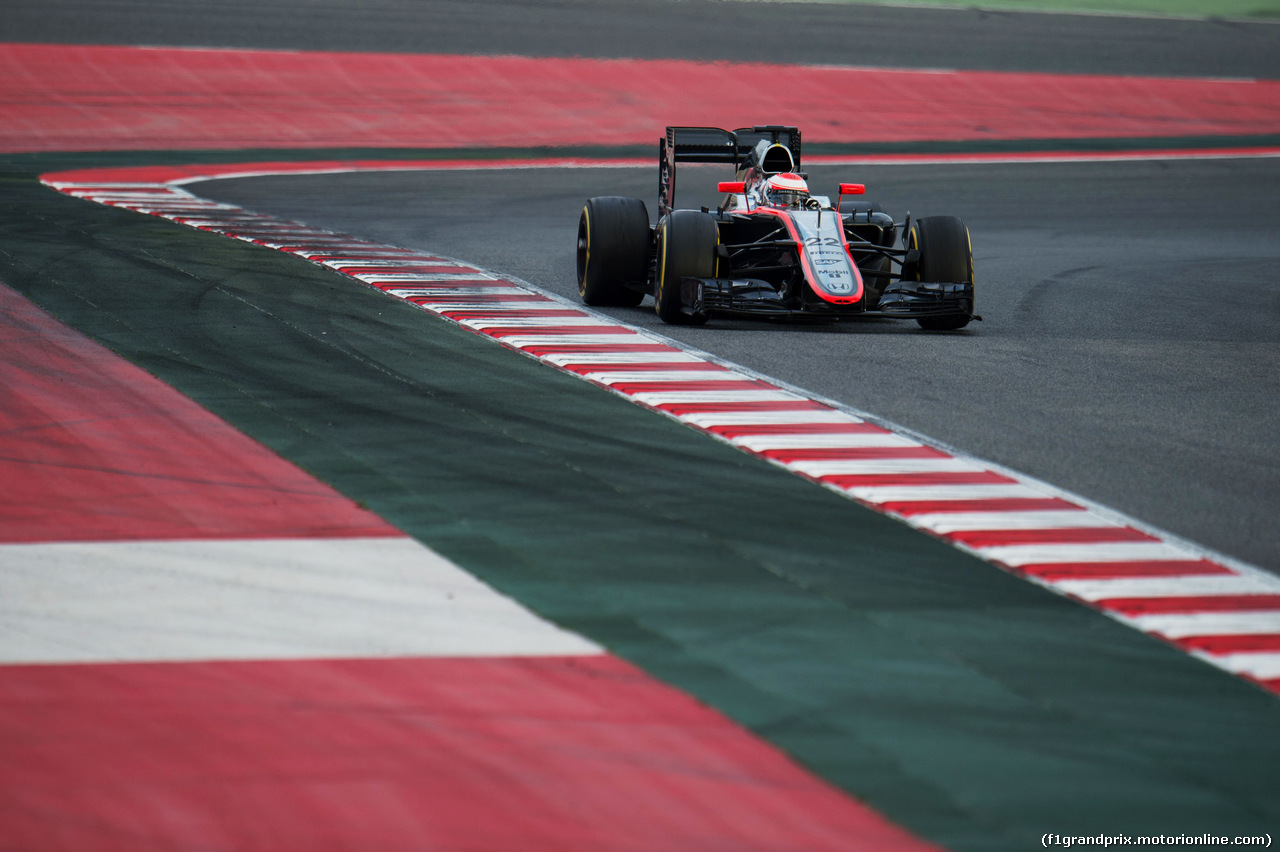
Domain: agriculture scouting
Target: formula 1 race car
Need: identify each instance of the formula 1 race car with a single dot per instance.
(771, 249)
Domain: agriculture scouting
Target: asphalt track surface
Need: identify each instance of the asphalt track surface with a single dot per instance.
(1128, 343)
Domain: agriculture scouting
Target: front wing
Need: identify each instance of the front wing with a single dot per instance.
(751, 297)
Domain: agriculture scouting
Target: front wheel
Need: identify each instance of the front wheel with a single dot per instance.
(687, 241)
(946, 255)
(613, 251)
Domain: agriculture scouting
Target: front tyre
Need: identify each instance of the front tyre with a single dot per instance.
(686, 242)
(946, 255)
(613, 251)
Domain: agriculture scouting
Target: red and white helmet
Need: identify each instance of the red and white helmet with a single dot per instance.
(786, 190)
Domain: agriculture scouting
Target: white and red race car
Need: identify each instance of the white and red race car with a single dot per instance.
(771, 249)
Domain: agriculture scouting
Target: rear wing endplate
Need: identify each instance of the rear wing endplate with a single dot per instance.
(714, 145)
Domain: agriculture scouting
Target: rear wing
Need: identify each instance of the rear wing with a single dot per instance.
(714, 145)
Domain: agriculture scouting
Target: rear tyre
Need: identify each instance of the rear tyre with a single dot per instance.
(613, 251)
(686, 241)
(945, 256)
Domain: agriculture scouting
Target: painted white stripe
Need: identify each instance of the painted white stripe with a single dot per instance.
(576, 358)
(869, 466)
(304, 232)
(369, 253)
(915, 493)
(392, 264)
(1120, 551)
(175, 196)
(607, 378)
(583, 321)
(419, 277)
(1184, 625)
(1169, 587)
(407, 292)
(707, 420)
(1047, 157)
(372, 253)
(265, 225)
(250, 224)
(174, 203)
(274, 239)
(284, 239)
(491, 307)
(496, 306)
(829, 441)
(575, 340)
(90, 190)
(287, 238)
(317, 246)
(259, 599)
(126, 192)
(152, 189)
(221, 226)
(949, 522)
(170, 210)
(1262, 665)
(675, 397)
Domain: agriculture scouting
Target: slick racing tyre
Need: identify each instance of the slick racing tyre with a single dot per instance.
(945, 256)
(687, 241)
(613, 251)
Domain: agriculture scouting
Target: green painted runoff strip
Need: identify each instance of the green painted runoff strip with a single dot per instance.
(972, 707)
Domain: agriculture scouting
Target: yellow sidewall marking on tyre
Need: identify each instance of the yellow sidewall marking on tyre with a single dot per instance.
(662, 268)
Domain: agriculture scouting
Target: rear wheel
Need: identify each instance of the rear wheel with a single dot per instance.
(687, 241)
(945, 256)
(613, 251)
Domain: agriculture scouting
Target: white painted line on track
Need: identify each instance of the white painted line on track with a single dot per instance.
(949, 522)
(1262, 665)
(876, 466)
(768, 418)
(256, 599)
(1156, 587)
(1123, 551)
(1185, 625)
(832, 441)
(603, 358)
(882, 494)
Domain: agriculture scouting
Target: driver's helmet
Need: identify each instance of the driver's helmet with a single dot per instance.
(786, 190)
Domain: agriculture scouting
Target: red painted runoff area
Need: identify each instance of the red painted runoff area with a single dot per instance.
(63, 97)
(446, 754)
(93, 448)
